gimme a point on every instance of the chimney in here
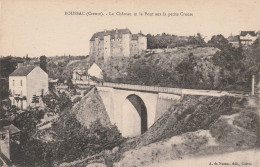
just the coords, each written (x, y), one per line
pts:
(19, 65)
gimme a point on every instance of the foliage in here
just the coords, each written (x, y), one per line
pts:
(73, 141)
(78, 140)
(57, 103)
(189, 78)
(8, 65)
(228, 69)
(237, 64)
(219, 41)
(142, 73)
(166, 40)
(4, 87)
(43, 63)
(61, 67)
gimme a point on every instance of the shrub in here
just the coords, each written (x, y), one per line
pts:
(249, 120)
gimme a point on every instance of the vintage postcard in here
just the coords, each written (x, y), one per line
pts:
(109, 83)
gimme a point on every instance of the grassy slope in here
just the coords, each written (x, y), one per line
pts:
(191, 114)
(197, 126)
(91, 108)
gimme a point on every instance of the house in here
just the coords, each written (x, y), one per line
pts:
(27, 84)
(118, 42)
(234, 40)
(247, 37)
(87, 77)
(9, 138)
(95, 71)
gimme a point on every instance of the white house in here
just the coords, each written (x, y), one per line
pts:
(25, 83)
(95, 71)
(248, 37)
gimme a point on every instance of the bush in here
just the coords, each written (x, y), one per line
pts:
(78, 140)
(249, 120)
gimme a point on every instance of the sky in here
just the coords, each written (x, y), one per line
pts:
(40, 27)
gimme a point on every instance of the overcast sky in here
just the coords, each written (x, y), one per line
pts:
(40, 27)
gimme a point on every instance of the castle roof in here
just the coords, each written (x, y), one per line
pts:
(22, 71)
(135, 36)
(112, 33)
(244, 33)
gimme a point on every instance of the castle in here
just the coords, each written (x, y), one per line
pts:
(118, 42)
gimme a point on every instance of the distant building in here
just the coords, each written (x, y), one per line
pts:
(247, 37)
(79, 74)
(53, 82)
(95, 71)
(118, 42)
(234, 40)
(87, 77)
(25, 83)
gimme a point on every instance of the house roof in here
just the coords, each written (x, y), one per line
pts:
(22, 71)
(112, 33)
(12, 129)
(244, 33)
(233, 38)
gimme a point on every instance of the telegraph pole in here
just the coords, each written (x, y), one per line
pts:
(253, 85)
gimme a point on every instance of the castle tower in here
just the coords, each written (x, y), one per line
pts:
(107, 52)
(126, 45)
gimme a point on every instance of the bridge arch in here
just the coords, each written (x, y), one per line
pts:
(135, 116)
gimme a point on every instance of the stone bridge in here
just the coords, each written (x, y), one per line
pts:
(134, 108)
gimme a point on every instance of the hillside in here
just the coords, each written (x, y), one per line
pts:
(91, 108)
(121, 69)
(191, 114)
(195, 127)
(198, 126)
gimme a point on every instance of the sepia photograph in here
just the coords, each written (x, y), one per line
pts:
(109, 83)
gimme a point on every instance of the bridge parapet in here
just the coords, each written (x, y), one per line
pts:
(169, 96)
(104, 89)
(144, 88)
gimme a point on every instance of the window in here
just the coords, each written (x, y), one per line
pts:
(13, 82)
(21, 82)
(21, 93)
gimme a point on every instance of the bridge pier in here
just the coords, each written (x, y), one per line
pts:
(164, 102)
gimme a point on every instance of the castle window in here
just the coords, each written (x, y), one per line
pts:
(13, 82)
(21, 82)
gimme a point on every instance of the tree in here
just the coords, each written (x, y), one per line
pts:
(220, 42)
(43, 63)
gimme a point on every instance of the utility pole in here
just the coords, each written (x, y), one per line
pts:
(253, 85)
